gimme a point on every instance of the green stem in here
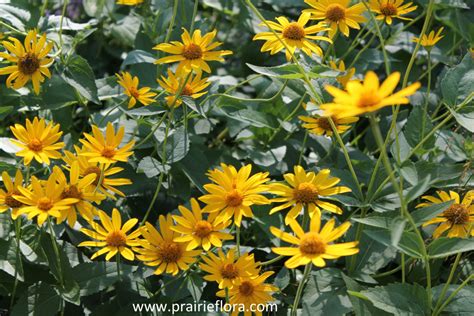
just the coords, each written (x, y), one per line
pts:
(117, 256)
(237, 239)
(17, 224)
(448, 300)
(299, 291)
(303, 147)
(195, 9)
(43, 8)
(448, 282)
(269, 262)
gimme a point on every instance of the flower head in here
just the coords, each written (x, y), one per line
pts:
(429, 41)
(197, 231)
(193, 88)
(337, 14)
(292, 36)
(30, 59)
(234, 192)
(160, 250)
(38, 140)
(7, 201)
(458, 219)
(369, 96)
(343, 79)
(315, 245)
(305, 189)
(129, 2)
(227, 269)
(193, 52)
(130, 84)
(322, 126)
(112, 236)
(387, 10)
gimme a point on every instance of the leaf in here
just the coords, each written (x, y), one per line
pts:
(360, 306)
(137, 57)
(9, 261)
(444, 247)
(282, 279)
(5, 110)
(465, 117)
(461, 304)
(372, 256)
(424, 214)
(14, 15)
(417, 127)
(408, 242)
(251, 117)
(7, 146)
(151, 167)
(177, 146)
(126, 29)
(287, 71)
(38, 300)
(195, 286)
(78, 74)
(457, 85)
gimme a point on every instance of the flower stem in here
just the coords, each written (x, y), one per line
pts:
(299, 291)
(118, 266)
(448, 300)
(448, 282)
(17, 224)
(269, 262)
(237, 239)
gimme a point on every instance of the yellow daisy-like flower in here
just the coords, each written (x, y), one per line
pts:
(315, 245)
(369, 96)
(38, 140)
(337, 14)
(234, 192)
(458, 219)
(192, 53)
(193, 88)
(43, 199)
(294, 35)
(106, 150)
(249, 292)
(80, 189)
(430, 40)
(30, 59)
(387, 10)
(7, 201)
(321, 126)
(305, 190)
(130, 84)
(129, 2)
(160, 250)
(227, 269)
(343, 79)
(112, 237)
(198, 231)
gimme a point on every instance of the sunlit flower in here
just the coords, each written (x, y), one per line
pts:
(227, 269)
(30, 59)
(7, 201)
(129, 2)
(197, 231)
(430, 40)
(458, 219)
(106, 150)
(305, 189)
(192, 53)
(112, 237)
(293, 35)
(193, 88)
(234, 192)
(38, 140)
(321, 126)
(343, 79)
(160, 250)
(315, 245)
(249, 292)
(130, 84)
(387, 10)
(337, 14)
(369, 96)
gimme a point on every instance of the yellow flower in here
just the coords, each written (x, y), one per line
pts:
(160, 250)
(198, 231)
(369, 96)
(129, 2)
(234, 192)
(30, 59)
(112, 237)
(306, 190)
(295, 36)
(321, 126)
(193, 88)
(249, 292)
(38, 141)
(43, 199)
(80, 189)
(130, 84)
(430, 40)
(7, 201)
(343, 79)
(315, 245)
(458, 218)
(387, 10)
(337, 14)
(104, 184)
(227, 269)
(106, 150)
(193, 52)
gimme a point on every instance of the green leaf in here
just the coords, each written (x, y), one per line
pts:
(5, 110)
(195, 286)
(465, 117)
(360, 304)
(138, 57)
(177, 145)
(79, 75)
(126, 29)
(39, 299)
(457, 85)
(9, 261)
(444, 247)
(417, 127)
(424, 214)
(408, 242)
(14, 15)
(287, 71)
(151, 167)
(461, 304)
(254, 118)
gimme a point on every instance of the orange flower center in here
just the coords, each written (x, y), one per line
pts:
(294, 31)
(95, 170)
(202, 229)
(116, 239)
(312, 244)
(108, 152)
(71, 192)
(10, 200)
(234, 198)
(35, 145)
(229, 271)
(170, 252)
(323, 122)
(457, 214)
(335, 13)
(368, 99)
(192, 51)
(45, 204)
(388, 9)
(28, 64)
(187, 90)
(306, 193)
(246, 288)
(134, 92)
